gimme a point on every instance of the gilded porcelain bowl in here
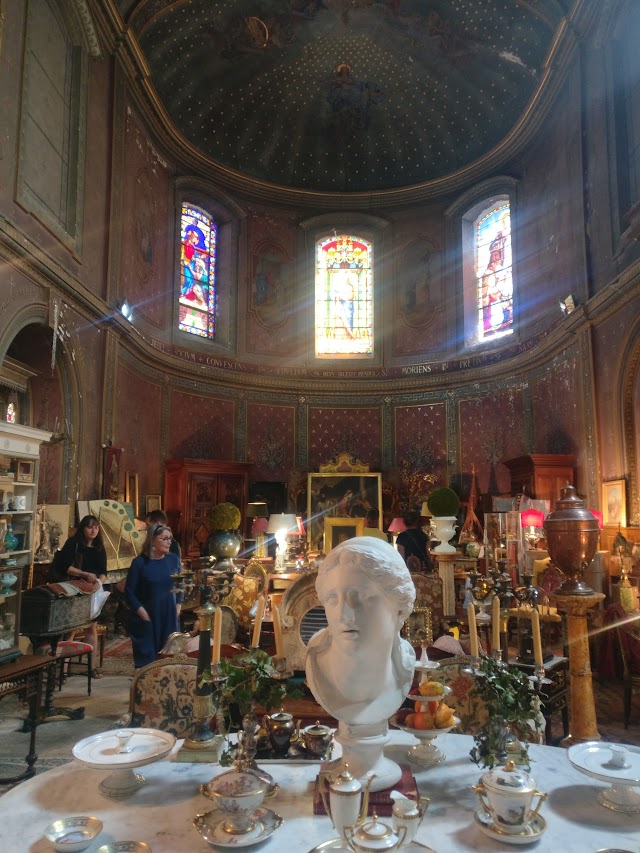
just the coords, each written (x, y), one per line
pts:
(73, 834)
(237, 793)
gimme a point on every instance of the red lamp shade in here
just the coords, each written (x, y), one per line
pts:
(397, 526)
(259, 526)
(532, 518)
(599, 516)
(301, 530)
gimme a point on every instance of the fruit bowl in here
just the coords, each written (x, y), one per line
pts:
(425, 752)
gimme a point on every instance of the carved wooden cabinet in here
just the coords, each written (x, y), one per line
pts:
(541, 475)
(192, 487)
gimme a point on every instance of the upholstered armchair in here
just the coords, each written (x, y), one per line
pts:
(161, 695)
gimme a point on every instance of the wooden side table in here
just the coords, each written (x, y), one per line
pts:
(27, 674)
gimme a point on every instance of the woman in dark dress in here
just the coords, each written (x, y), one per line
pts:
(413, 542)
(82, 557)
(149, 593)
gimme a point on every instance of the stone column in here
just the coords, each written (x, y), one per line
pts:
(583, 725)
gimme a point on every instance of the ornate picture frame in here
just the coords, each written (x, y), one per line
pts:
(152, 503)
(342, 496)
(131, 489)
(614, 503)
(337, 530)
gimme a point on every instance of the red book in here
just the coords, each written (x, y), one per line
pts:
(379, 801)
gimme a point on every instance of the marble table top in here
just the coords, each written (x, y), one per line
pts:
(161, 813)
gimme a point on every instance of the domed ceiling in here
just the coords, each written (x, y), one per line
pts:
(345, 95)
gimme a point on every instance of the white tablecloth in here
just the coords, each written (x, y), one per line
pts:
(161, 813)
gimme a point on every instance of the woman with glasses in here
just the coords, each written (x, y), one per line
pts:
(149, 593)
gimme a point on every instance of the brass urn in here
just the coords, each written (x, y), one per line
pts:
(572, 536)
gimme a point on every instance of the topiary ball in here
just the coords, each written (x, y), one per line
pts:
(443, 502)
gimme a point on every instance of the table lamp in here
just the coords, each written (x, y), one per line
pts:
(397, 526)
(531, 519)
(280, 525)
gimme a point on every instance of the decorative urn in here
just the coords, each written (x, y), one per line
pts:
(224, 542)
(572, 532)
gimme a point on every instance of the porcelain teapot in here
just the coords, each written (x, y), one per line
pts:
(348, 803)
(373, 835)
(408, 813)
(316, 739)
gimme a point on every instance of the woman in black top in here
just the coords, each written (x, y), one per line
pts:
(83, 557)
(413, 542)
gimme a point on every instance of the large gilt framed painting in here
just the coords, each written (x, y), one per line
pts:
(335, 495)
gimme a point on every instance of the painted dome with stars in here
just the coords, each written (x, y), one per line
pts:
(345, 95)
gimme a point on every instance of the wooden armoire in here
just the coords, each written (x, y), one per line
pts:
(192, 487)
(541, 475)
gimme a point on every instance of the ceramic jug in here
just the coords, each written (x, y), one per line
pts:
(408, 814)
(348, 803)
(373, 835)
(281, 730)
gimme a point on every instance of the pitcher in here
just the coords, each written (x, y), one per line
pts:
(347, 804)
(280, 728)
(408, 814)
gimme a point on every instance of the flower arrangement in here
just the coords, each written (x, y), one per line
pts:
(514, 712)
(443, 502)
(225, 516)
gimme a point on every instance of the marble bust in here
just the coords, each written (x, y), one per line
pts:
(359, 669)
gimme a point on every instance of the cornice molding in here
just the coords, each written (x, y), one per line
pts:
(88, 27)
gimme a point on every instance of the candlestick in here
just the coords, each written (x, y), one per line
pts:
(495, 623)
(537, 642)
(217, 634)
(277, 631)
(473, 631)
(255, 641)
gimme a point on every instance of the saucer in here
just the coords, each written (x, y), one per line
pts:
(211, 828)
(336, 845)
(532, 832)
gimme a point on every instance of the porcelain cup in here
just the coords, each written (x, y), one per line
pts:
(509, 793)
(618, 757)
(123, 736)
(237, 793)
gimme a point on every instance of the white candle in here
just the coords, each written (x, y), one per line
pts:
(277, 631)
(217, 634)
(495, 623)
(257, 626)
(537, 642)
(473, 631)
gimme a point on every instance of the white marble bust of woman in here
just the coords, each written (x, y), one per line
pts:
(358, 667)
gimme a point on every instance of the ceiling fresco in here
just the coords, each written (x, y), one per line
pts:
(344, 95)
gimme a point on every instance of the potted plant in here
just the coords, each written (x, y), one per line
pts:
(224, 542)
(513, 710)
(443, 504)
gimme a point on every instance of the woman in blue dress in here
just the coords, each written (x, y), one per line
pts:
(150, 594)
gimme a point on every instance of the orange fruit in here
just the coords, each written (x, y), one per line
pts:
(423, 720)
(409, 721)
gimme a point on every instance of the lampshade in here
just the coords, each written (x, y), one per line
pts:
(259, 525)
(599, 516)
(532, 518)
(282, 521)
(424, 512)
(301, 531)
(257, 509)
(397, 526)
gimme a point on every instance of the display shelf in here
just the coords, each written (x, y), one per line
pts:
(8, 554)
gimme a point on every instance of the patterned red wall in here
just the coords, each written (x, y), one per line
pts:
(200, 427)
(491, 430)
(137, 431)
(271, 441)
(145, 268)
(358, 431)
(557, 410)
(420, 430)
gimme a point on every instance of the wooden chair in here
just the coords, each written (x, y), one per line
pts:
(628, 638)
(161, 695)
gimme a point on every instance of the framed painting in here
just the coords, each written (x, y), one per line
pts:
(152, 503)
(131, 489)
(342, 496)
(337, 530)
(614, 503)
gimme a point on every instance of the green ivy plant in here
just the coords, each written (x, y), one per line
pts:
(249, 683)
(512, 706)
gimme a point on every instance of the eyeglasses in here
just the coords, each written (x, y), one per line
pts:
(165, 538)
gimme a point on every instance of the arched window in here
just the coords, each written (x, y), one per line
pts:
(344, 297)
(494, 281)
(197, 300)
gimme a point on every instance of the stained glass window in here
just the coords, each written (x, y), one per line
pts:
(344, 297)
(197, 301)
(493, 272)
